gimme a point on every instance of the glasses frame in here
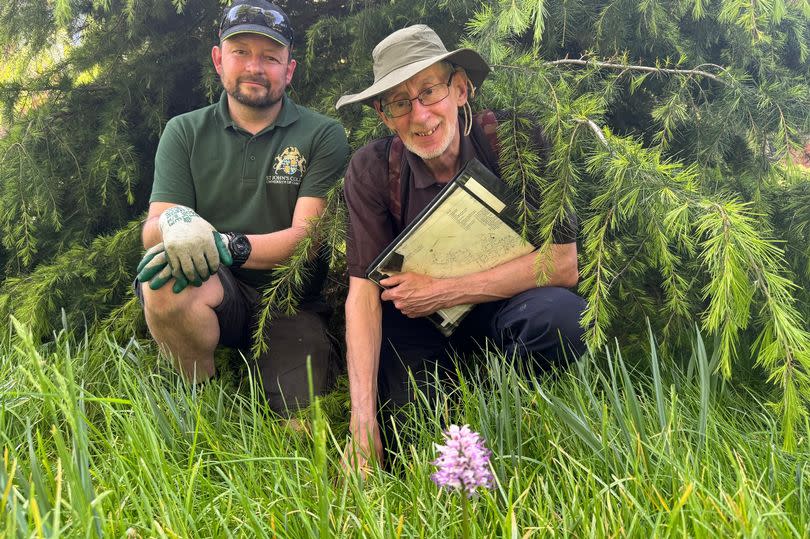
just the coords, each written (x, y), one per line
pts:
(385, 106)
(272, 19)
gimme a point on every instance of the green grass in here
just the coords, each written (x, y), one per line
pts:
(100, 439)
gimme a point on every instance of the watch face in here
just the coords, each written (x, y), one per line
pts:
(241, 245)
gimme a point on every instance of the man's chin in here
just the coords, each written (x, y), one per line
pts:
(429, 152)
(256, 102)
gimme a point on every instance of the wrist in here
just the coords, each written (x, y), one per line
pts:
(362, 418)
(453, 291)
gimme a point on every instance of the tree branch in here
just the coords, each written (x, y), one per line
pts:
(624, 67)
(597, 131)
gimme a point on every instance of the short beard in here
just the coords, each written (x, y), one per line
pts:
(448, 139)
(256, 102)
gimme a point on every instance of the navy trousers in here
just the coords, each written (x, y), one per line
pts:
(539, 326)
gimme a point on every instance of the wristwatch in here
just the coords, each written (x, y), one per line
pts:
(240, 248)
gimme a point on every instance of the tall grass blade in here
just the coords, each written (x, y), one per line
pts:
(631, 398)
(658, 386)
(705, 386)
(574, 422)
(615, 398)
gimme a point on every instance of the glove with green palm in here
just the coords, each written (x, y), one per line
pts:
(156, 268)
(189, 243)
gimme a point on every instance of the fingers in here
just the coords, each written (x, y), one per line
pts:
(220, 241)
(184, 267)
(201, 269)
(175, 270)
(393, 280)
(181, 283)
(152, 264)
(161, 278)
(355, 460)
(149, 256)
(165, 276)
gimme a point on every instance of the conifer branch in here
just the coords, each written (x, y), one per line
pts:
(623, 67)
(596, 131)
(282, 296)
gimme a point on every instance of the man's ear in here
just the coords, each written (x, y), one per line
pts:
(462, 85)
(290, 70)
(216, 57)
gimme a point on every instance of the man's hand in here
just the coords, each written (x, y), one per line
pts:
(156, 269)
(417, 295)
(190, 244)
(364, 447)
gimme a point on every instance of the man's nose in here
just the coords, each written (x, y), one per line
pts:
(254, 63)
(418, 110)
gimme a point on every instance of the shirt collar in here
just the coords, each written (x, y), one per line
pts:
(423, 177)
(286, 116)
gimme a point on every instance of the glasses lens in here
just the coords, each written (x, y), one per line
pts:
(270, 18)
(396, 109)
(433, 94)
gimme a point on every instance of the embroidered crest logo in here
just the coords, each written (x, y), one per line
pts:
(291, 162)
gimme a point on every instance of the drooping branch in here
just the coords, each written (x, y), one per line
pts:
(624, 67)
(596, 131)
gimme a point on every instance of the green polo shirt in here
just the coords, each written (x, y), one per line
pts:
(248, 183)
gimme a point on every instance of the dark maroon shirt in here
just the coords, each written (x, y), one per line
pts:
(371, 225)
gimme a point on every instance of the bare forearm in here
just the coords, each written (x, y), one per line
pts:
(269, 250)
(556, 267)
(150, 235)
(363, 338)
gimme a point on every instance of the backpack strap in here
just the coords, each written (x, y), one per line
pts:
(488, 123)
(485, 138)
(396, 154)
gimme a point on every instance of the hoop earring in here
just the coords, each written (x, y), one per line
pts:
(468, 109)
(467, 118)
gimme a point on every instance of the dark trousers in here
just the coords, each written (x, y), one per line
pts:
(539, 326)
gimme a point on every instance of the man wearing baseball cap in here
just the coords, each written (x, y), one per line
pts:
(421, 92)
(236, 186)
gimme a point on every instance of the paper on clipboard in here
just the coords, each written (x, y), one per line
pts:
(468, 227)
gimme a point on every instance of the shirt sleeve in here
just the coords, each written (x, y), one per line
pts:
(330, 152)
(173, 181)
(370, 227)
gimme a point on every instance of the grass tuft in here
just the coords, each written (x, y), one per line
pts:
(100, 439)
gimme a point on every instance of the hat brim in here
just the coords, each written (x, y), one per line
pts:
(472, 62)
(254, 29)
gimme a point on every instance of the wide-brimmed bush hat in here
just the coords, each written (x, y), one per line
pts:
(405, 53)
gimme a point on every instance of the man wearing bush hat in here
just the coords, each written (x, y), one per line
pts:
(421, 92)
(236, 186)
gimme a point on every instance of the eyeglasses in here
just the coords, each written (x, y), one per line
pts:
(429, 96)
(270, 18)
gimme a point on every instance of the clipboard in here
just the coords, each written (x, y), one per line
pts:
(471, 225)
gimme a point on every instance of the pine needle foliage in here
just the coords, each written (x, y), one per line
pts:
(671, 128)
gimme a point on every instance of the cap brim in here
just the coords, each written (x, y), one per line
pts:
(254, 29)
(472, 62)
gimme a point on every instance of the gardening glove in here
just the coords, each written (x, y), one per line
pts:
(155, 267)
(190, 244)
